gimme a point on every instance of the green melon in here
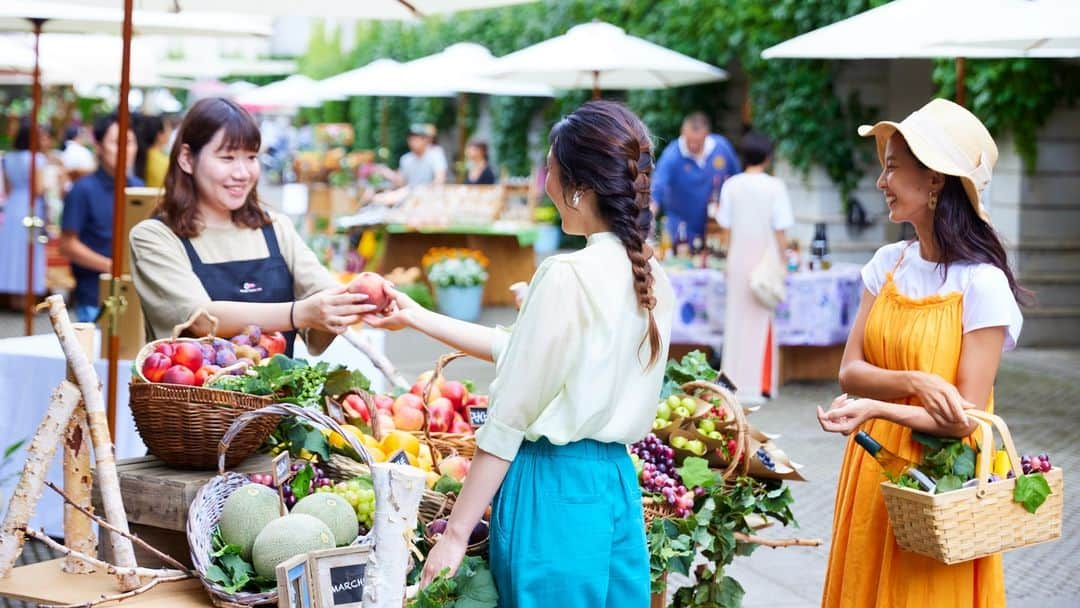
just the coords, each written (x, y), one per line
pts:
(245, 513)
(288, 537)
(334, 511)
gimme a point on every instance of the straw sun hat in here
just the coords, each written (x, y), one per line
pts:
(948, 139)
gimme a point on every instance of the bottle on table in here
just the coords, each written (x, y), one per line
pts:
(893, 464)
(819, 249)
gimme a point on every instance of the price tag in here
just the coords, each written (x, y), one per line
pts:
(399, 457)
(478, 415)
(282, 468)
(347, 584)
(337, 576)
(726, 382)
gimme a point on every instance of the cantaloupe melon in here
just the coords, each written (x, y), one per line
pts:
(334, 511)
(288, 537)
(245, 513)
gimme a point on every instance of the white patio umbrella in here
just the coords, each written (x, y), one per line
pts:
(463, 68)
(602, 56)
(196, 69)
(1023, 28)
(380, 78)
(296, 91)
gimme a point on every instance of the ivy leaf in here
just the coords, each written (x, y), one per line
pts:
(729, 593)
(447, 485)
(342, 380)
(948, 483)
(695, 472)
(302, 482)
(927, 440)
(1031, 491)
(215, 574)
(964, 466)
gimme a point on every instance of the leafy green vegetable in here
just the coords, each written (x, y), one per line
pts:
(671, 549)
(231, 571)
(342, 380)
(948, 483)
(471, 587)
(299, 435)
(693, 366)
(964, 465)
(696, 472)
(302, 481)
(447, 485)
(1031, 491)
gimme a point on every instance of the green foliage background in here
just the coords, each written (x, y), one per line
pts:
(794, 101)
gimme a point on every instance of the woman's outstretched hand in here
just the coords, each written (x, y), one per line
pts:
(331, 310)
(845, 415)
(400, 314)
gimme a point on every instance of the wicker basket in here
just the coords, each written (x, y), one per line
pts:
(653, 508)
(969, 523)
(433, 505)
(205, 510)
(445, 443)
(182, 425)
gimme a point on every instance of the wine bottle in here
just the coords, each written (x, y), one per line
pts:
(892, 463)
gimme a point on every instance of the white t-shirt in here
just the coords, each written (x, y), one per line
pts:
(987, 299)
(756, 189)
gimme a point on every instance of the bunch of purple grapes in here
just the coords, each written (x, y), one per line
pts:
(658, 474)
(320, 480)
(1040, 463)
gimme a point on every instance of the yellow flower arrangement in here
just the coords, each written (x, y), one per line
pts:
(455, 267)
(438, 254)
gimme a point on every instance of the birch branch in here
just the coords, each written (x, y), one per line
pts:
(165, 557)
(776, 543)
(378, 359)
(135, 572)
(105, 599)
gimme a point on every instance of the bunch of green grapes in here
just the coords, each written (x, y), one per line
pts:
(360, 493)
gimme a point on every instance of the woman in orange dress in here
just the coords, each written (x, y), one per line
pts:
(935, 316)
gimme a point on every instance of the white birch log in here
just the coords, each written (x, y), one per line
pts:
(32, 480)
(398, 489)
(78, 477)
(90, 385)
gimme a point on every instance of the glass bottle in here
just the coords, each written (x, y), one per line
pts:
(893, 464)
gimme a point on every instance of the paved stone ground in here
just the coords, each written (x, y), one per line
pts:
(1036, 389)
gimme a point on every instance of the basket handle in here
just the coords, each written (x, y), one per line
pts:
(285, 409)
(369, 403)
(244, 365)
(741, 458)
(986, 448)
(440, 365)
(201, 312)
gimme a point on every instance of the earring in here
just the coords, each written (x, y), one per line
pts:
(933, 201)
(574, 202)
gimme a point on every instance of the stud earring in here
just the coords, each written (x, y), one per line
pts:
(933, 201)
(574, 202)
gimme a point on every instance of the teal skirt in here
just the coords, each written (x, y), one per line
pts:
(567, 529)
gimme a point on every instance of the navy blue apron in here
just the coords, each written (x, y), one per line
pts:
(264, 280)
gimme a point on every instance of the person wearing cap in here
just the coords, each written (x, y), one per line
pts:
(935, 316)
(424, 163)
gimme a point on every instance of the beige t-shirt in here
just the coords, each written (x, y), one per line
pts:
(170, 291)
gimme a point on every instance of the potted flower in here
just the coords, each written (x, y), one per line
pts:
(458, 276)
(548, 228)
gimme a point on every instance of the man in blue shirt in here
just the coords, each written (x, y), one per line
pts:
(689, 175)
(86, 237)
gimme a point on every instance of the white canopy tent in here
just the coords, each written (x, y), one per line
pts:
(296, 91)
(197, 68)
(602, 56)
(389, 10)
(462, 67)
(380, 78)
(77, 18)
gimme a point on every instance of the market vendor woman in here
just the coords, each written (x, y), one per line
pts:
(212, 245)
(576, 380)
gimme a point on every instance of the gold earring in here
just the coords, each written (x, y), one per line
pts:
(933, 201)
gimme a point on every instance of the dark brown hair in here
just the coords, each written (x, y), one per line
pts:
(602, 146)
(179, 207)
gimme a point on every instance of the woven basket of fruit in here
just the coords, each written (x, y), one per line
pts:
(179, 420)
(233, 515)
(445, 416)
(971, 522)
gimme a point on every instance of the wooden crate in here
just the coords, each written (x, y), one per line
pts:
(156, 499)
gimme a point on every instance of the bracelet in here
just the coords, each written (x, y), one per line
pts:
(292, 307)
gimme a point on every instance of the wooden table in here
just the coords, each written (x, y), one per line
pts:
(46, 583)
(511, 254)
(156, 499)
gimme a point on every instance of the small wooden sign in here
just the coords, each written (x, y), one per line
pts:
(294, 583)
(399, 457)
(478, 415)
(337, 576)
(281, 472)
(723, 380)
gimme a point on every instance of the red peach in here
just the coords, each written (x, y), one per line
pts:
(179, 374)
(188, 354)
(374, 286)
(155, 365)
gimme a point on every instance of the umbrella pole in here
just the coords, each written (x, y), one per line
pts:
(462, 100)
(961, 64)
(32, 219)
(112, 305)
(596, 84)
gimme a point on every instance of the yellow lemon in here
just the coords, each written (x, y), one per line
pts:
(400, 440)
(1002, 464)
(377, 455)
(337, 442)
(423, 459)
(432, 479)
(369, 441)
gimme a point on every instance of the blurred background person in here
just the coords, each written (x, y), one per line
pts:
(151, 159)
(424, 163)
(13, 234)
(476, 158)
(755, 212)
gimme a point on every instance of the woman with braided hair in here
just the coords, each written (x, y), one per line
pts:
(576, 380)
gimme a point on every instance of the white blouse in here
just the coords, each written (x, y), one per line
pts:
(987, 299)
(571, 367)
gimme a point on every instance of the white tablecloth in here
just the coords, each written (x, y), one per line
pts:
(819, 309)
(31, 367)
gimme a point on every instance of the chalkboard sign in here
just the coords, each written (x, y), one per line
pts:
(399, 457)
(338, 576)
(478, 415)
(282, 469)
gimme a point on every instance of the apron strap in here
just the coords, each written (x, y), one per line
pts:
(271, 241)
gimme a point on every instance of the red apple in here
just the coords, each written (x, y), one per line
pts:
(455, 392)
(274, 343)
(407, 401)
(155, 365)
(409, 419)
(460, 426)
(202, 375)
(188, 354)
(355, 407)
(440, 415)
(456, 467)
(179, 374)
(383, 403)
(166, 348)
(374, 287)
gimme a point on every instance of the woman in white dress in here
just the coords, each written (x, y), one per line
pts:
(13, 234)
(755, 210)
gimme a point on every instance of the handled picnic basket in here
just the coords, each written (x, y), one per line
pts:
(970, 523)
(445, 444)
(205, 510)
(181, 424)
